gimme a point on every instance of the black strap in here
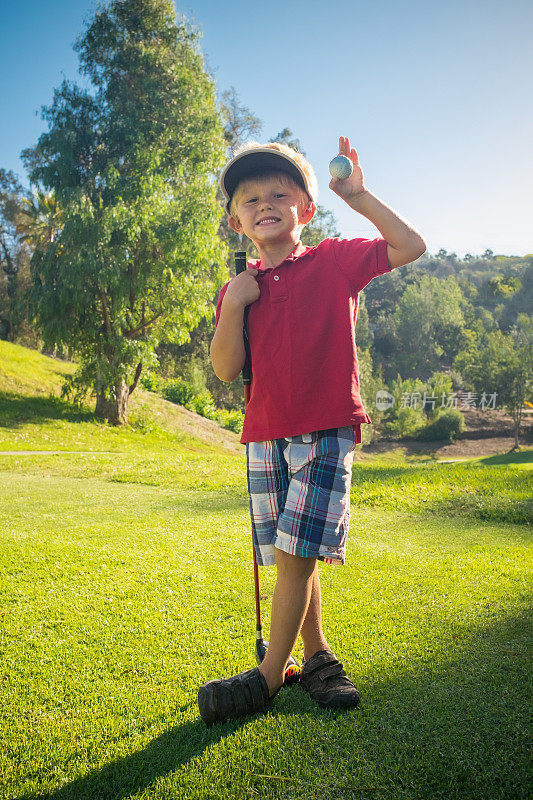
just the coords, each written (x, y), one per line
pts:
(240, 265)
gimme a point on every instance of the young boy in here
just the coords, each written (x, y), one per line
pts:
(303, 418)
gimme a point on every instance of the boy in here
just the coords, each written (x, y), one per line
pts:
(303, 418)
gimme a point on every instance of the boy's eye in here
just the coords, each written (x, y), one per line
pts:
(251, 200)
(281, 194)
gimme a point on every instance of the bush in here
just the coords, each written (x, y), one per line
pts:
(405, 422)
(232, 420)
(181, 392)
(151, 382)
(178, 391)
(142, 421)
(204, 405)
(445, 428)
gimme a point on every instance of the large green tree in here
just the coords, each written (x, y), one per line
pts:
(429, 322)
(131, 164)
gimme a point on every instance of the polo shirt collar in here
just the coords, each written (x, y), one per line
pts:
(296, 253)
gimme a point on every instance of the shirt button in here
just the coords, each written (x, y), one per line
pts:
(276, 277)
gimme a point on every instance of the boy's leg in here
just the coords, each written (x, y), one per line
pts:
(290, 602)
(311, 630)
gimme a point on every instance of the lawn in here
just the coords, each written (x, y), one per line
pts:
(127, 582)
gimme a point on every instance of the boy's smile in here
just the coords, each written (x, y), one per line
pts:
(268, 221)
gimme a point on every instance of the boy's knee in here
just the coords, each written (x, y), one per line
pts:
(296, 566)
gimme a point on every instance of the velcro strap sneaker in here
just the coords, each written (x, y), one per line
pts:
(230, 698)
(324, 679)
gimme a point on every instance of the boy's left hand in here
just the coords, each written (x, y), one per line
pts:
(354, 185)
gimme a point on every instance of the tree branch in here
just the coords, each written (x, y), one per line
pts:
(132, 333)
(136, 377)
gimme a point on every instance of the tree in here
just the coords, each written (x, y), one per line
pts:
(287, 137)
(131, 166)
(364, 335)
(429, 322)
(506, 360)
(14, 256)
(191, 361)
(39, 220)
(240, 124)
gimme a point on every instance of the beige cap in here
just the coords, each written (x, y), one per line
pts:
(256, 159)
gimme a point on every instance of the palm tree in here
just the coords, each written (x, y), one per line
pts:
(40, 220)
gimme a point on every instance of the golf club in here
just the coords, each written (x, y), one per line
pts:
(292, 670)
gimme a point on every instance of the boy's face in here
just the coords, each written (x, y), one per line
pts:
(271, 210)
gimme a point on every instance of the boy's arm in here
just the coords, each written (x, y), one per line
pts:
(227, 346)
(404, 243)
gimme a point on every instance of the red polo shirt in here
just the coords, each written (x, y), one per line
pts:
(302, 339)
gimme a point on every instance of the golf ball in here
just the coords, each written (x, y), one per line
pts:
(340, 167)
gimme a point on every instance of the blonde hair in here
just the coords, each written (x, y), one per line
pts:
(302, 162)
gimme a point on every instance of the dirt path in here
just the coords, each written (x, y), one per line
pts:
(465, 448)
(487, 434)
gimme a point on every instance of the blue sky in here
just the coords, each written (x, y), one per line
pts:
(436, 96)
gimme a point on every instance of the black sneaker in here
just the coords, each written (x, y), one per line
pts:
(324, 679)
(230, 698)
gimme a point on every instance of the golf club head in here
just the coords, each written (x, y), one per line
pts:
(260, 649)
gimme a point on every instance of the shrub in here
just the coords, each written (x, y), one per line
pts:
(151, 382)
(181, 392)
(204, 405)
(178, 391)
(405, 423)
(232, 420)
(445, 428)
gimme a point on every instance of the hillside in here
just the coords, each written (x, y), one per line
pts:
(33, 417)
(30, 391)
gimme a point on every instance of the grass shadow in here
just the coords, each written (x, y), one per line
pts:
(376, 473)
(131, 774)
(17, 410)
(454, 730)
(520, 457)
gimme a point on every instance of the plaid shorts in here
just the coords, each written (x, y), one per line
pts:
(300, 494)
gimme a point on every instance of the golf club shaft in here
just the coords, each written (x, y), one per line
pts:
(292, 669)
(241, 266)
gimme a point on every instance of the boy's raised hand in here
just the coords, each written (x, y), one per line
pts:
(354, 185)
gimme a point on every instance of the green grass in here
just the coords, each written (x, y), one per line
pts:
(127, 582)
(482, 488)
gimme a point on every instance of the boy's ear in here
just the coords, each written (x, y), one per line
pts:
(308, 212)
(235, 224)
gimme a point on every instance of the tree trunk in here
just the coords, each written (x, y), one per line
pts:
(517, 421)
(114, 408)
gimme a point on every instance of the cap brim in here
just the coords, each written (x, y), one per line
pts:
(258, 160)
